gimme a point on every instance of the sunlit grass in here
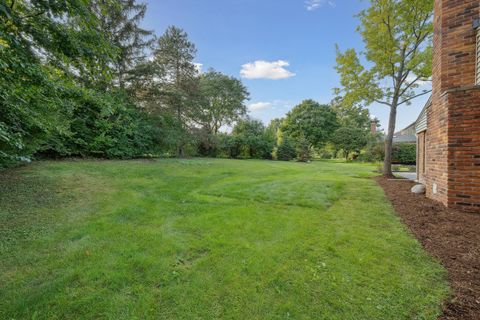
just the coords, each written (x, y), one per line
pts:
(207, 239)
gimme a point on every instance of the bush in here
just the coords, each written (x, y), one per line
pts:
(303, 149)
(286, 150)
(103, 125)
(404, 153)
(325, 154)
(374, 151)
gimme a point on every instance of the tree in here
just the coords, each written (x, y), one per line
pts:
(43, 45)
(398, 52)
(222, 100)
(120, 21)
(252, 140)
(303, 149)
(175, 80)
(349, 115)
(349, 139)
(286, 150)
(314, 121)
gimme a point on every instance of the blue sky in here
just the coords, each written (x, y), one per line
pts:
(284, 50)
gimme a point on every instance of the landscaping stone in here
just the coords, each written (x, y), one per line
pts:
(419, 189)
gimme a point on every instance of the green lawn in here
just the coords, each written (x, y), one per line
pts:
(208, 239)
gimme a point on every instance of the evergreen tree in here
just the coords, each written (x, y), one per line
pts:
(303, 149)
(286, 150)
(120, 21)
(175, 82)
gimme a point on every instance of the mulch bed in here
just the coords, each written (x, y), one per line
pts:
(451, 236)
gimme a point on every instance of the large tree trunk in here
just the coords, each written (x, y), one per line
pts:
(387, 163)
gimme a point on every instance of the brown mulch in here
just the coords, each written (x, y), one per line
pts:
(451, 236)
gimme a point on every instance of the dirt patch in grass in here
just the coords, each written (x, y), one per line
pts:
(451, 236)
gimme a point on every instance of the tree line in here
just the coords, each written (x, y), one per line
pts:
(83, 78)
(309, 130)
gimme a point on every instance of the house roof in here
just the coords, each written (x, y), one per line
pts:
(404, 138)
(405, 135)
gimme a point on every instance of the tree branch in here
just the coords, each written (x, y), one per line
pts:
(383, 102)
(33, 15)
(415, 96)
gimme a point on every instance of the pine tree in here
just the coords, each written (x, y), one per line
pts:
(176, 77)
(303, 149)
(120, 21)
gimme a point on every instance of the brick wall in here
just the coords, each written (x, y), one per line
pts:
(453, 136)
(464, 149)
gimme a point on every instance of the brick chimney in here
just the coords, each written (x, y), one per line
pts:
(453, 135)
(373, 126)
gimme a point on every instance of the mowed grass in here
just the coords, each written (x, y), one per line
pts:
(207, 239)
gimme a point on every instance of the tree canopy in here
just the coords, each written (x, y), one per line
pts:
(314, 121)
(398, 54)
(222, 101)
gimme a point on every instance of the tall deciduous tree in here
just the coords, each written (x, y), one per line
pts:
(315, 122)
(175, 76)
(222, 100)
(42, 45)
(349, 115)
(398, 52)
(349, 139)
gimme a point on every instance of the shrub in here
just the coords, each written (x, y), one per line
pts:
(303, 149)
(374, 151)
(286, 150)
(103, 125)
(404, 153)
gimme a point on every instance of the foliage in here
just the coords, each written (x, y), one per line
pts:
(102, 125)
(42, 46)
(57, 59)
(174, 85)
(398, 50)
(404, 153)
(314, 121)
(286, 150)
(349, 115)
(222, 101)
(374, 151)
(120, 20)
(250, 139)
(349, 139)
(303, 149)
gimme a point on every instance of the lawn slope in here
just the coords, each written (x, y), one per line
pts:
(207, 239)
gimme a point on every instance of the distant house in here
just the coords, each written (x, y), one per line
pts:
(406, 135)
(421, 131)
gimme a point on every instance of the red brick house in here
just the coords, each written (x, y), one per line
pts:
(448, 129)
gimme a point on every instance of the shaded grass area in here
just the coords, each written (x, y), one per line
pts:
(207, 239)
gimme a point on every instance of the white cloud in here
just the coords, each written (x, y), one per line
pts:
(420, 82)
(275, 104)
(261, 69)
(199, 67)
(313, 5)
(260, 106)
